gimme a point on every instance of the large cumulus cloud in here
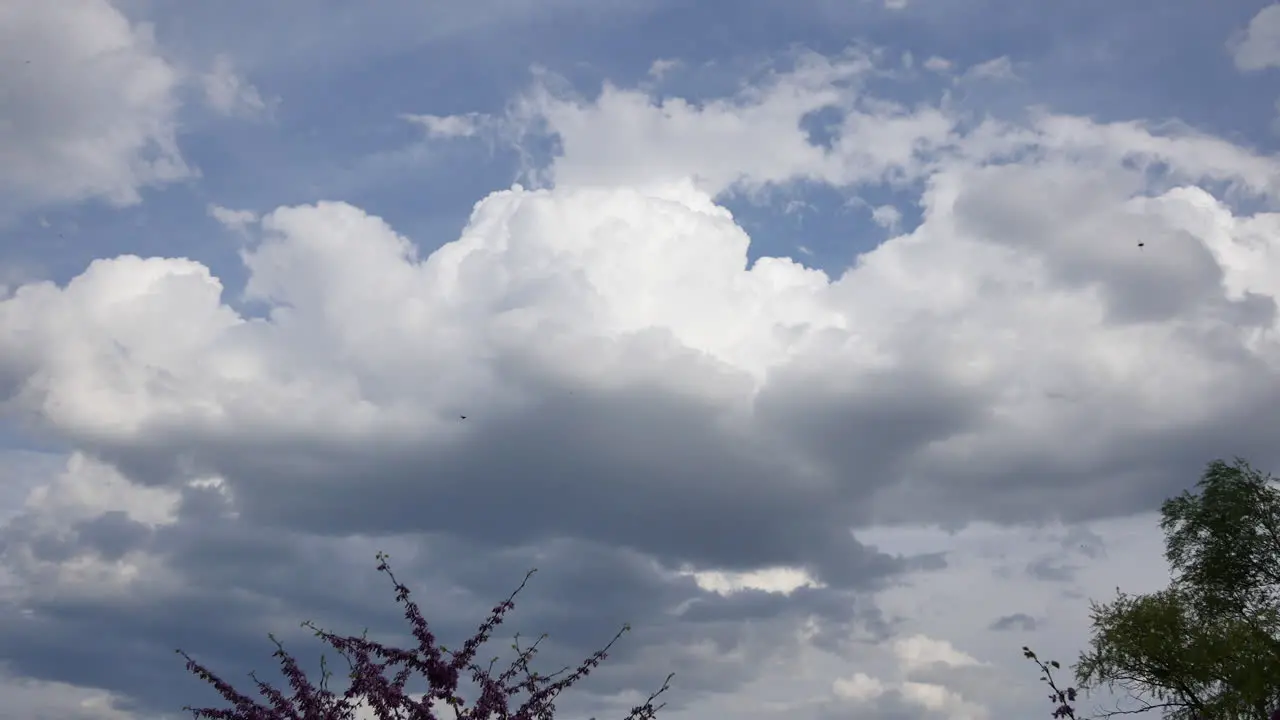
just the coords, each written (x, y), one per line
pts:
(594, 376)
(89, 106)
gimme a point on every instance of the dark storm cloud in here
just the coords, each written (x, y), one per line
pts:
(1047, 568)
(637, 469)
(232, 585)
(1132, 472)
(82, 642)
(607, 494)
(109, 536)
(239, 581)
(1080, 539)
(112, 534)
(1017, 621)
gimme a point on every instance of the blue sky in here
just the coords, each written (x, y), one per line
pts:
(811, 338)
(349, 75)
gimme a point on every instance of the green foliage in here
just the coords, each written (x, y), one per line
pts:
(1225, 540)
(1061, 698)
(1205, 647)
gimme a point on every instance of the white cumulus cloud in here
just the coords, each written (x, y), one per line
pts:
(1258, 47)
(87, 106)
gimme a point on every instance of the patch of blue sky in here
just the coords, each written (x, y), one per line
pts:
(338, 134)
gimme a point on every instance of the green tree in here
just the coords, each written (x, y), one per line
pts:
(1208, 646)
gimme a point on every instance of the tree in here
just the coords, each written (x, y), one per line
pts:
(1061, 698)
(441, 668)
(1208, 646)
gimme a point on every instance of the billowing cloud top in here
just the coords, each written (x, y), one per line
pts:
(600, 375)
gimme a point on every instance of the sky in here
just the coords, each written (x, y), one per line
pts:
(841, 349)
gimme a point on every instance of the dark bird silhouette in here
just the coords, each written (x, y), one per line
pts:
(464, 417)
(1141, 244)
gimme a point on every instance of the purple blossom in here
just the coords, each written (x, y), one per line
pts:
(442, 669)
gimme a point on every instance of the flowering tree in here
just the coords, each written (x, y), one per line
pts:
(442, 668)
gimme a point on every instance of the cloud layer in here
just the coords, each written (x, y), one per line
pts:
(739, 456)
